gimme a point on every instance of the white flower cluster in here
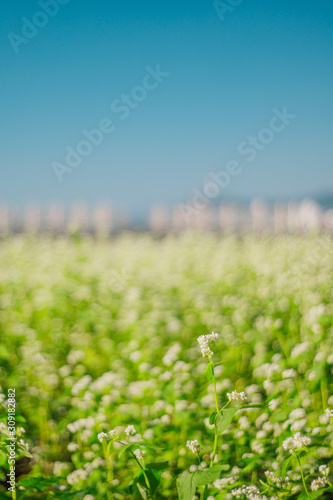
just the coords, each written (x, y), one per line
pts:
(297, 414)
(130, 430)
(140, 454)
(329, 413)
(23, 444)
(172, 355)
(254, 496)
(102, 436)
(295, 442)
(204, 341)
(300, 349)
(82, 474)
(107, 380)
(279, 482)
(194, 446)
(316, 484)
(107, 436)
(82, 423)
(237, 396)
(289, 373)
(76, 476)
(80, 385)
(245, 491)
(324, 470)
(201, 466)
(266, 371)
(72, 447)
(220, 484)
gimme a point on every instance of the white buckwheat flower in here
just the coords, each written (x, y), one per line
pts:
(76, 476)
(101, 436)
(225, 481)
(277, 481)
(237, 396)
(245, 491)
(329, 413)
(324, 470)
(140, 454)
(194, 446)
(72, 447)
(295, 442)
(289, 373)
(130, 430)
(204, 341)
(297, 413)
(112, 434)
(316, 484)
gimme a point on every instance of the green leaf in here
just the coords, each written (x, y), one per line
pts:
(39, 483)
(19, 418)
(24, 452)
(154, 481)
(253, 405)
(135, 480)
(186, 486)
(286, 465)
(311, 496)
(212, 417)
(209, 475)
(150, 446)
(209, 372)
(157, 466)
(223, 419)
(125, 448)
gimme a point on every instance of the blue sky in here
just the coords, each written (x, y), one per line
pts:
(225, 78)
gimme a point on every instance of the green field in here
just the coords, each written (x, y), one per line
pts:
(100, 335)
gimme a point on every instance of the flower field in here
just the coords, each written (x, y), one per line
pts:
(192, 366)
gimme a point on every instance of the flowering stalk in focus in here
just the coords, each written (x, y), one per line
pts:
(220, 418)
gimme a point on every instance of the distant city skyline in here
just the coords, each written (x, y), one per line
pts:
(139, 103)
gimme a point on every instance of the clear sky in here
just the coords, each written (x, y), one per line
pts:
(225, 77)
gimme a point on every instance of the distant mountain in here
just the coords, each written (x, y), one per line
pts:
(324, 200)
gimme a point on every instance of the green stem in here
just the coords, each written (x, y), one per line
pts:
(144, 473)
(216, 436)
(214, 450)
(300, 466)
(214, 382)
(110, 471)
(106, 452)
(217, 409)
